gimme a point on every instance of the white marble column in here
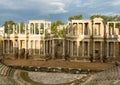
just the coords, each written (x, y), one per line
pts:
(13, 46)
(83, 48)
(107, 49)
(78, 44)
(34, 46)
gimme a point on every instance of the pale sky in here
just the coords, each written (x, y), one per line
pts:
(24, 10)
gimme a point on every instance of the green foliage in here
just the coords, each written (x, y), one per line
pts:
(76, 17)
(106, 18)
(54, 28)
(8, 26)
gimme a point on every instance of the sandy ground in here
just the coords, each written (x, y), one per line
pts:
(60, 63)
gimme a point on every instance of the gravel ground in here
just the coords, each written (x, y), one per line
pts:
(54, 78)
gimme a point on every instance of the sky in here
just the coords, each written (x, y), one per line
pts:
(25, 10)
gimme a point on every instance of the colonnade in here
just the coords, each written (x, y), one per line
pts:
(81, 28)
(84, 48)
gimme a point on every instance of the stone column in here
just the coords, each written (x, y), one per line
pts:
(44, 47)
(107, 49)
(29, 46)
(101, 49)
(83, 28)
(3, 46)
(34, 46)
(88, 48)
(8, 46)
(93, 48)
(25, 48)
(53, 48)
(72, 48)
(83, 48)
(19, 48)
(63, 47)
(68, 47)
(34, 28)
(114, 50)
(78, 44)
(114, 28)
(39, 47)
(13, 46)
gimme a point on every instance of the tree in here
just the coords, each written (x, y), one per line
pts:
(54, 26)
(76, 17)
(9, 23)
